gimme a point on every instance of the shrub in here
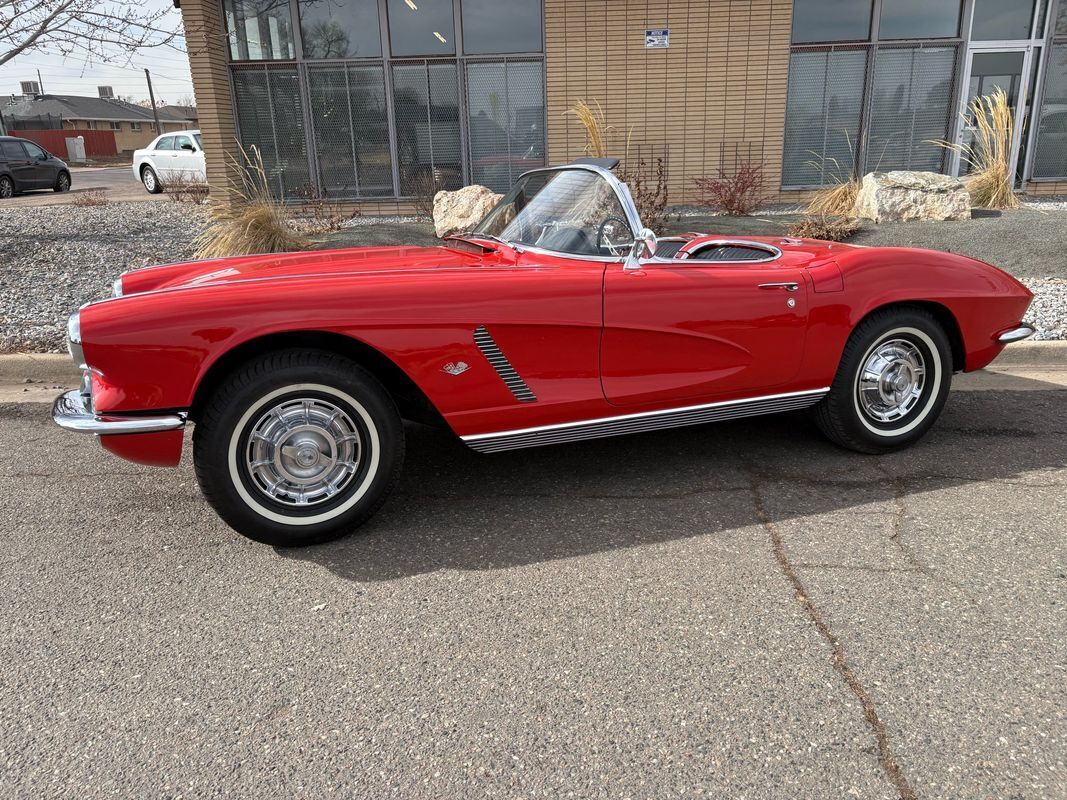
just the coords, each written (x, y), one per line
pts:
(320, 214)
(738, 193)
(94, 197)
(253, 221)
(185, 188)
(827, 227)
(648, 187)
(991, 182)
(423, 187)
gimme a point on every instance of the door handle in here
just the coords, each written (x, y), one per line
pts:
(789, 286)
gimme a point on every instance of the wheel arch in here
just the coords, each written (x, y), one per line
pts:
(409, 398)
(944, 316)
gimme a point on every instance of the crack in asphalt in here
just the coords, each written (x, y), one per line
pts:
(859, 568)
(886, 758)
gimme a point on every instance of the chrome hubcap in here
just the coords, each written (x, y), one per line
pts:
(303, 451)
(891, 380)
(149, 180)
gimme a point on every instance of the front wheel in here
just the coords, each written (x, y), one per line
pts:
(62, 182)
(892, 382)
(298, 447)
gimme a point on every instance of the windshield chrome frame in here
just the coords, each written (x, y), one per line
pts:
(622, 192)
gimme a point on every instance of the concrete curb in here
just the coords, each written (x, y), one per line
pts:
(57, 367)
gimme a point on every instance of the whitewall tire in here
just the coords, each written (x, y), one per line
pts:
(298, 447)
(891, 384)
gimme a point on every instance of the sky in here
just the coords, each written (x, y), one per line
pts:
(169, 67)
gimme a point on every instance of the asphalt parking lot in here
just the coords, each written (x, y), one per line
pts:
(734, 610)
(117, 184)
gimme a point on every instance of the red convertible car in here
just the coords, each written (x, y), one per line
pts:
(559, 318)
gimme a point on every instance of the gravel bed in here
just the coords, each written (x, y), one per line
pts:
(55, 258)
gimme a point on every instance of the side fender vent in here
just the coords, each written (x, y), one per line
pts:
(503, 367)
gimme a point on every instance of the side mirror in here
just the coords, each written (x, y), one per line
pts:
(644, 247)
(188, 147)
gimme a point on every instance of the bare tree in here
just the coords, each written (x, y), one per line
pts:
(100, 31)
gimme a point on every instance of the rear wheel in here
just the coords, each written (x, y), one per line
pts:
(7, 186)
(298, 447)
(892, 382)
(62, 182)
(150, 180)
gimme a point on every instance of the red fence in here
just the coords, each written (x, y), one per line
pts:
(97, 143)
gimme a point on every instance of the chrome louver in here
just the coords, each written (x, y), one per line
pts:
(499, 362)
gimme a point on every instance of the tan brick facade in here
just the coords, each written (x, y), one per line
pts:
(715, 96)
(205, 38)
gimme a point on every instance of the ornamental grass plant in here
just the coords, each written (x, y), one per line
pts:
(991, 180)
(250, 219)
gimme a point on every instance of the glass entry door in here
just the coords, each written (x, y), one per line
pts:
(989, 70)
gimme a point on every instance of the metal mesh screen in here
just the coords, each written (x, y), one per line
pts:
(349, 117)
(426, 103)
(1050, 153)
(911, 104)
(506, 113)
(824, 107)
(271, 118)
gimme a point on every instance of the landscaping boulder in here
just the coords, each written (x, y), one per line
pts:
(903, 195)
(460, 211)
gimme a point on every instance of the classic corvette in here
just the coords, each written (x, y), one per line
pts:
(559, 318)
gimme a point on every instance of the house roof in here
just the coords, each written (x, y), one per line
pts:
(70, 106)
(179, 113)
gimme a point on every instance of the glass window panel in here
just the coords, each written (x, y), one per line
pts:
(506, 108)
(831, 20)
(1002, 19)
(340, 28)
(421, 27)
(910, 107)
(919, 19)
(270, 117)
(502, 26)
(1060, 27)
(1050, 154)
(351, 131)
(426, 103)
(825, 98)
(259, 29)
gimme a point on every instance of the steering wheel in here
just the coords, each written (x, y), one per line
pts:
(602, 240)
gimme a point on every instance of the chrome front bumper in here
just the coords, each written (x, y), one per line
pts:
(1024, 331)
(71, 412)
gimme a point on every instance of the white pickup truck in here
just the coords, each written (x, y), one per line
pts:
(170, 158)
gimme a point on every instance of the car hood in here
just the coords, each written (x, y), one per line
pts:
(354, 261)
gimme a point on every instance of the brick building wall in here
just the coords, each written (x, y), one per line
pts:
(205, 40)
(717, 95)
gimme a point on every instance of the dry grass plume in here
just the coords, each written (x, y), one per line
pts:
(253, 220)
(991, 182)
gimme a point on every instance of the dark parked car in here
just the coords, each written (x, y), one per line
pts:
(25, 165)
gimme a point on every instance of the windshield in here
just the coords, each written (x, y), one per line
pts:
(571, 211)
(199, 141)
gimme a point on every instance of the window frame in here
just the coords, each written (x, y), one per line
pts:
(386, 61)
(1051, 39)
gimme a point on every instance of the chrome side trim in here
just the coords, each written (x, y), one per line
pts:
(773, 253)
(499, 362)
(643, 421)
(71, 413)
(1024, 331)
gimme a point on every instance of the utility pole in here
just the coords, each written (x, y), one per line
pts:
(152, 98)
(40, 83)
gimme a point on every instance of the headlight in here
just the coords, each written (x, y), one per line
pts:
(116, 287)
(74, 338)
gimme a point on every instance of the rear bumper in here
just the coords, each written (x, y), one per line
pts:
(1023, 331)
(72, 412)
